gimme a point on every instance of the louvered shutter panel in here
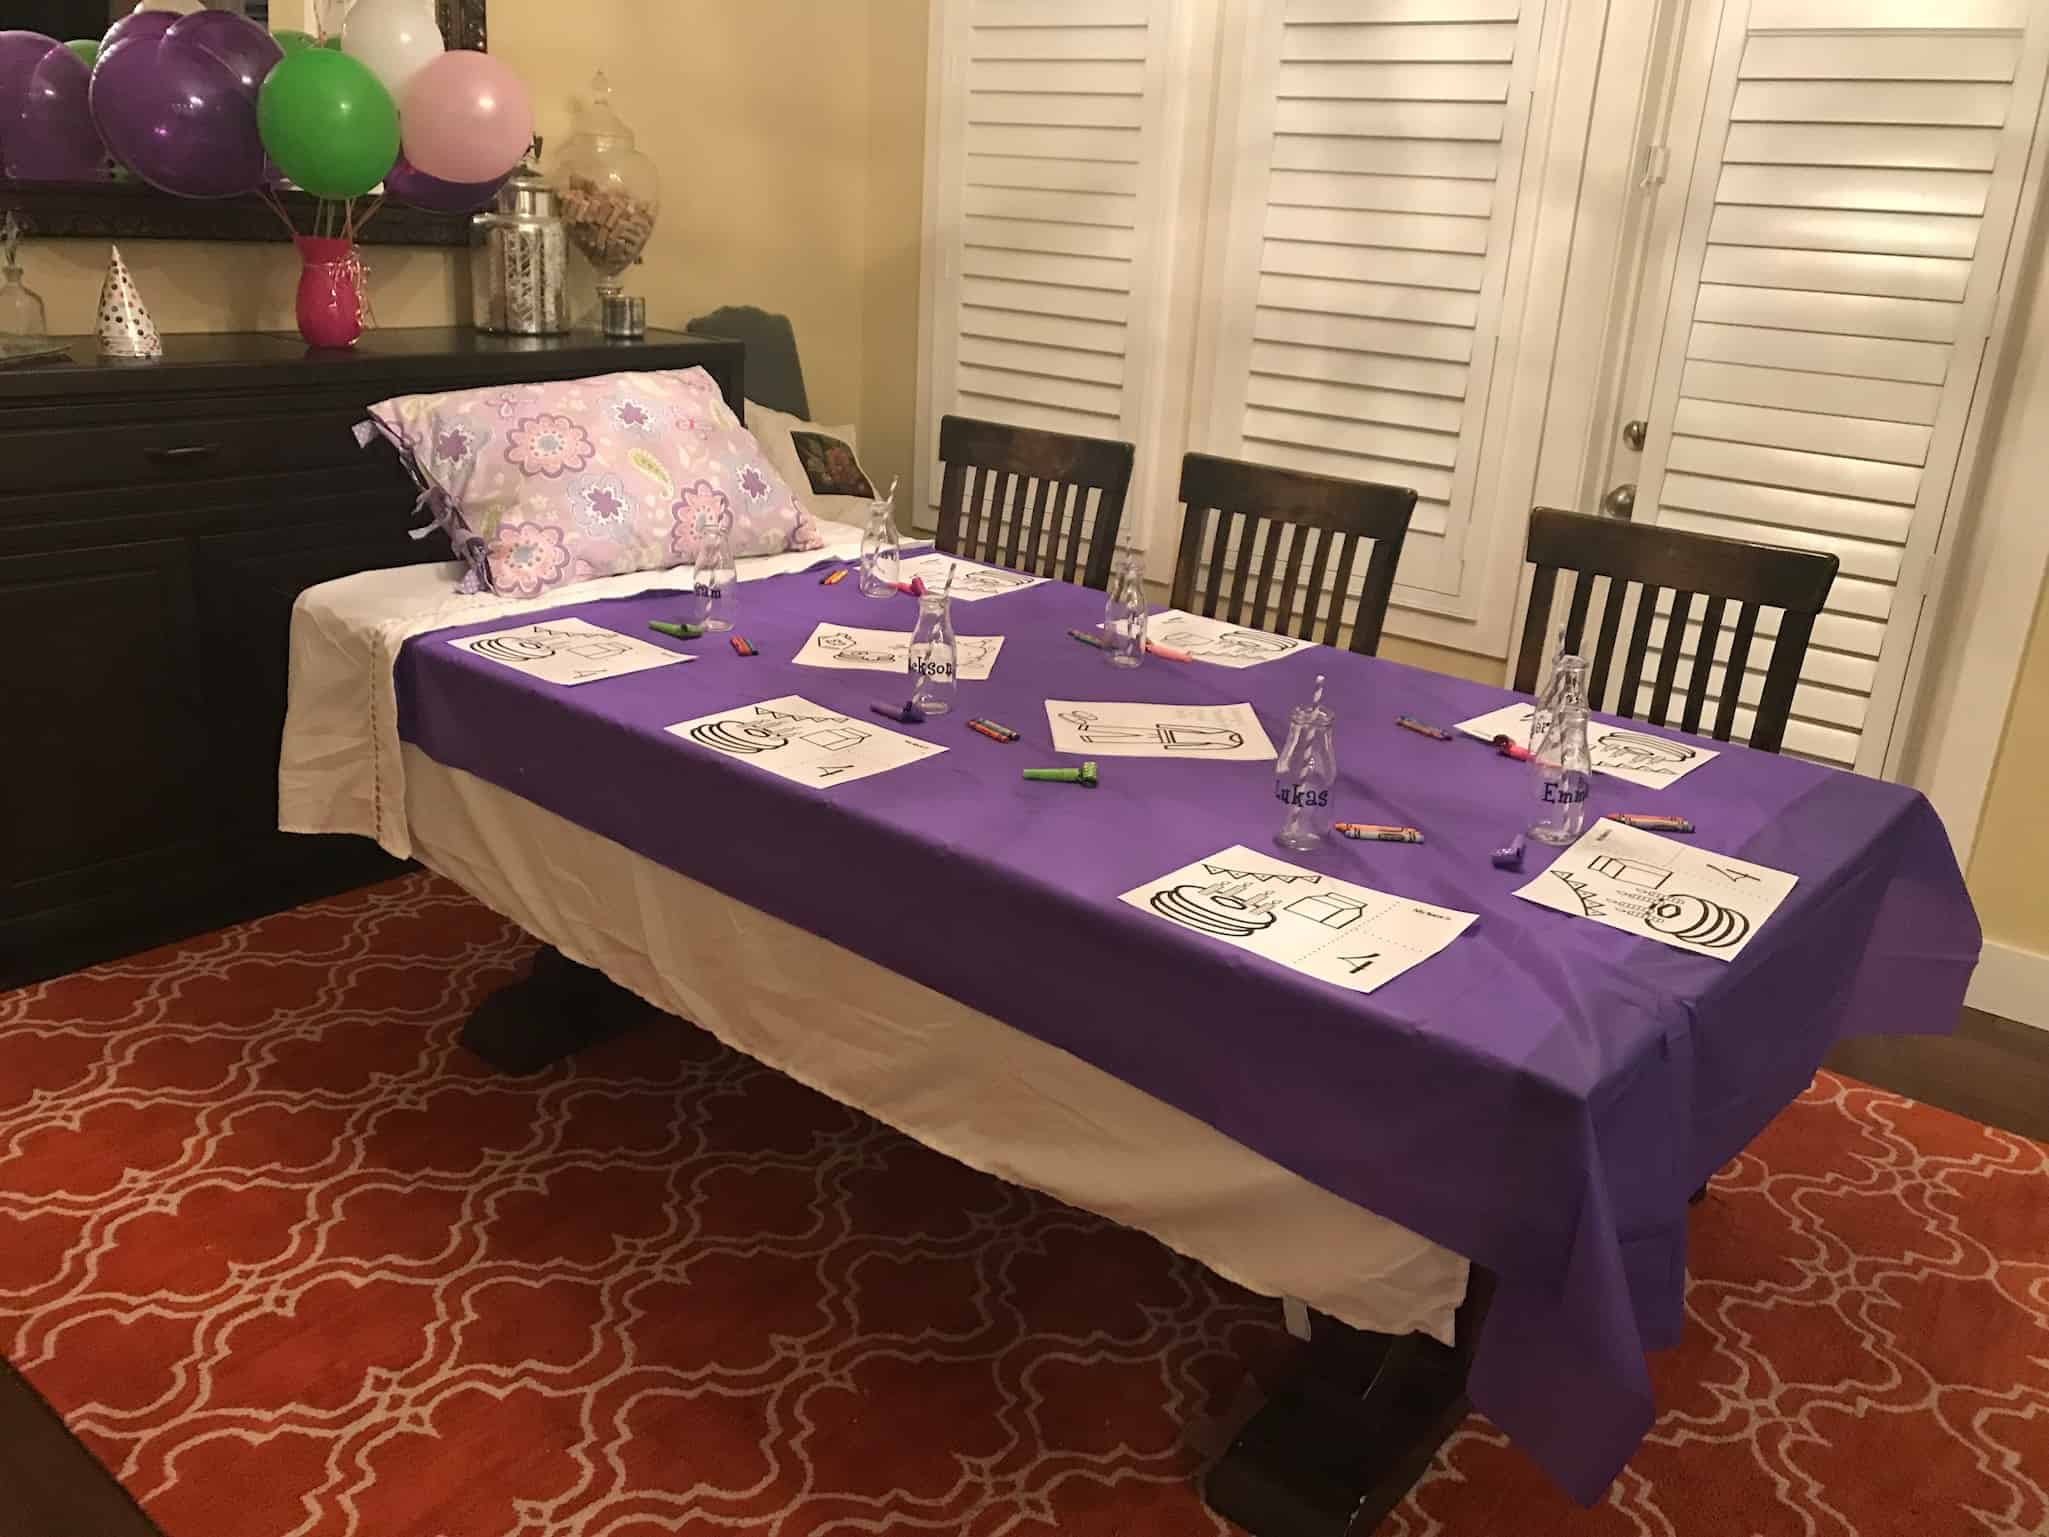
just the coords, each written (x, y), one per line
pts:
(1050, 156)
(1847, 222)
(1373, 182)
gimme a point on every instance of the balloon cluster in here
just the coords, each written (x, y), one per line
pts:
(210, 105)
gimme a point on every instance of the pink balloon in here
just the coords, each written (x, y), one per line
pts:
(466, 118)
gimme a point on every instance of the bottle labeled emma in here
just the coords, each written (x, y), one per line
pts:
(1561, 763)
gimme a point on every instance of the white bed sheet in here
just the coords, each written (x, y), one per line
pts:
(958, 1080)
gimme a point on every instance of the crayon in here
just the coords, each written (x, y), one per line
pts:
(1090, 640)
(676, 631)
(1651, 821)
(832, 577)
(908, 713)
(995, 731)
(1085, 775)
(1422, 728)
(743, 645)
(1168, 652)
(1373, 832)
(1506, 745)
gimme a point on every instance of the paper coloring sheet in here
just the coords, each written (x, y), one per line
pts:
(843, 647)
(1625, 753)
(1318, 925)
(568, 651)
(1219, 644)
(971, 583)
(1114, 729)
(799, 740)
(1659, 888)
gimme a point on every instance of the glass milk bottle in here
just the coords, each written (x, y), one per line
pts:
(935, 656)
(714, 576)
(881, 549)
(1124, 610)
(1304, 773)
(1561, 762)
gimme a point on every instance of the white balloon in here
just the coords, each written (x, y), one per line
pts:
(176, 7)
(393, 39)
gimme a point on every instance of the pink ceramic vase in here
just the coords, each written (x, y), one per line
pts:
(330, 307)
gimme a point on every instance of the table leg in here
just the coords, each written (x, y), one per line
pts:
(1342, 1440)
(558, 1008)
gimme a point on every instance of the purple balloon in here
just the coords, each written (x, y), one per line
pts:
(53, 139)
(138, 24)
(411, 185)
(20, 53)
(177, 116)
(235, 40)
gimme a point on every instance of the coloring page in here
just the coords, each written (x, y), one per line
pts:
(568, 651)
(845, 647)
(803, 741)
(1112, 729)
(971, 583)
(1219, 644)
(1637, 756)
(1318, 925)
(1662, 889)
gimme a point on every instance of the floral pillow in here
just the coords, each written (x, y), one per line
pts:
(539, 485)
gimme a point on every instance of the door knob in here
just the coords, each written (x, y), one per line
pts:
(1620, 502)
(1634, 433)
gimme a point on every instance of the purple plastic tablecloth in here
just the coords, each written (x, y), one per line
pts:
(1541, 1097)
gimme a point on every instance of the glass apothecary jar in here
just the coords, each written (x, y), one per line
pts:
(611, 193)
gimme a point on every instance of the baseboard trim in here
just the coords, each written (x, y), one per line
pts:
(2013, 982)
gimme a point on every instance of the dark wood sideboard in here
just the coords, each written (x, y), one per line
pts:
(157, 520)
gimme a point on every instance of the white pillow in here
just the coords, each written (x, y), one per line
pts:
(817, 463)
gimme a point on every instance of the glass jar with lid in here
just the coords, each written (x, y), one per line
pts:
(519, 259)
(611, 192)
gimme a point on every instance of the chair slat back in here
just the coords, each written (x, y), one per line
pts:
(1019, 497)
(1271, 515)
(1698, 570)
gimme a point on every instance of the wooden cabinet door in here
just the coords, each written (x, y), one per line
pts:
(248, 582)
(102, 776)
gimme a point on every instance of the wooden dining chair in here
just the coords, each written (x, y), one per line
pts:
(1274, 515)
(1018, 497)
(1689, 566)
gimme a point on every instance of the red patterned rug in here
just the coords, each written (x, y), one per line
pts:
(290, 1263)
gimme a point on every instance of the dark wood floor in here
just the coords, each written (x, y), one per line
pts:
(1991, 1070)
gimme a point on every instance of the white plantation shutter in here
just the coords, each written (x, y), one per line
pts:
(1371, 181)
(1847, 221)
(1049, 171)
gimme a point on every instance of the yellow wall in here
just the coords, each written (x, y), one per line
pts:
(2013, 838)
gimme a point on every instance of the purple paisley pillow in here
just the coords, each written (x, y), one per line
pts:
(539, 485)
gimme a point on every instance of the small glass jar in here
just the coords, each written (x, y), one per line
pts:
(519, 260)
(611, 192)
(23, 319)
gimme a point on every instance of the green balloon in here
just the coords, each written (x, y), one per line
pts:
(328, 123)
(334, 43)
(292, 41)
(87, 49)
